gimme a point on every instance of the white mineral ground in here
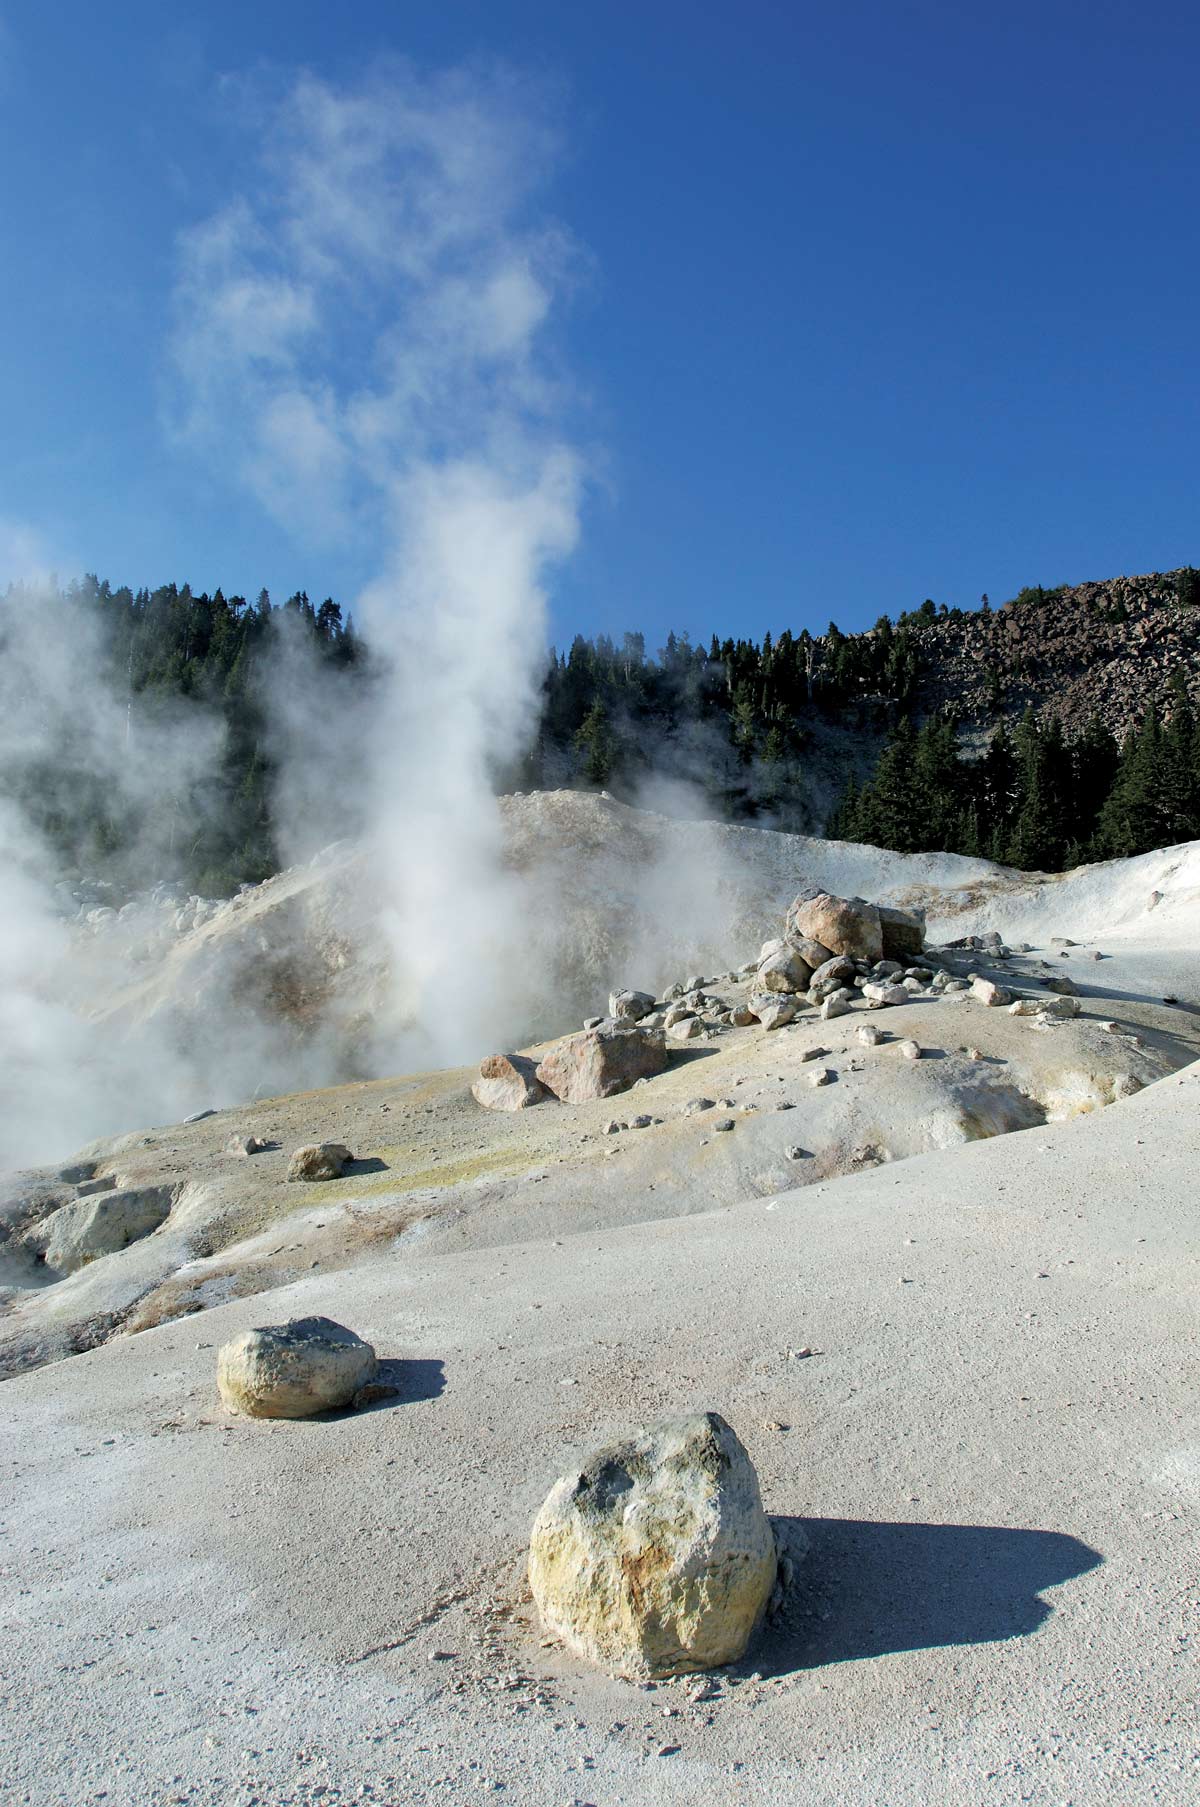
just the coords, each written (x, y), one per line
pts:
(993, 1445)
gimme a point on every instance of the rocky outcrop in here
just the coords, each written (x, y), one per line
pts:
(508, 1082)
(294, 1370)
(89, 1228)
(656, 1557)
(598, 1063)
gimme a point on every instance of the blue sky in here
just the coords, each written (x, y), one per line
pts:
(865, 304)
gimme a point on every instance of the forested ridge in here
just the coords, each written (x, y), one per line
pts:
(743, 722)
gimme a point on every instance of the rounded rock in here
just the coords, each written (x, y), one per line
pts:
(293, 1370)
(656, 1557)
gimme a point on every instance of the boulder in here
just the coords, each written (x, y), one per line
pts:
(656, 1557)
(783, 970)
(598, 1063)
(508, 1082)
(629, 1006)
(883, 992)
(813, 953)
(773, 1009)
(834, 1005)
(687, 1029)
(1065, 987)
(903, 932)
(986, 991)
(293, 1370)
(319, 1161)
(836, 971)
(845, 925)
(741, 1016)
(868, 1035)
(1059, 1009)
(88, 1228)
(909, 1050)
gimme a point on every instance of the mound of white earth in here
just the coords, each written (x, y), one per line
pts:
(301, 982)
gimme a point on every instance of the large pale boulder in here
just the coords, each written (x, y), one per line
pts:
(783, 970)
(508, 1082)
(319, 1161)
(986, 991)
(656, 1556)
(903, 932)
(293, 1370)
(597, 1063)
(845, 925)
(89, 1228)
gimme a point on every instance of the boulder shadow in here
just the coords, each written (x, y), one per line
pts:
(368, 1164)
(874, 1589)
(407, 1382)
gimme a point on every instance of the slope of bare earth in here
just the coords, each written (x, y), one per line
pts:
(993, 1446)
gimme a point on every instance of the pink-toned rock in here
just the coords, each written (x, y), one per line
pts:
(845, 925)
(601, 1062)
(508, 1082)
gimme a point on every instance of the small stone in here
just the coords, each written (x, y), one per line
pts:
(723, 1123)
(909, 1050)
(868, 1035)
(243, 1146)
(796, 1153)
(822, 1076)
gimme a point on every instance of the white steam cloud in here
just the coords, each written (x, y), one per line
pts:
(369, 322)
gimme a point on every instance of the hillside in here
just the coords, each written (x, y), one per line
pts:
(1106, 650)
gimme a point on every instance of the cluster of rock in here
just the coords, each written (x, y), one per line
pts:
(166, 910)
(834, 953)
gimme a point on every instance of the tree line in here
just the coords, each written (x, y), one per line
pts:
(740, 719)
(1033, 799)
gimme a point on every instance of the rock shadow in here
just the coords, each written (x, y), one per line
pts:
(368, 1164)
(407, 1382)
(867, 1589)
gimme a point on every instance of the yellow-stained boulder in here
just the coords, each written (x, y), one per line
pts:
(656, 1557)
(294, 1370)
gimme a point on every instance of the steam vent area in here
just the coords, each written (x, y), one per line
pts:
(773, 1380)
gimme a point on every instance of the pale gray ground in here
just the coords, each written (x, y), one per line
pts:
(994, 1445)
(995, 1448)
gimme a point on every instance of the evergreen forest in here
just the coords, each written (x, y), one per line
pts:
(738, 719)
